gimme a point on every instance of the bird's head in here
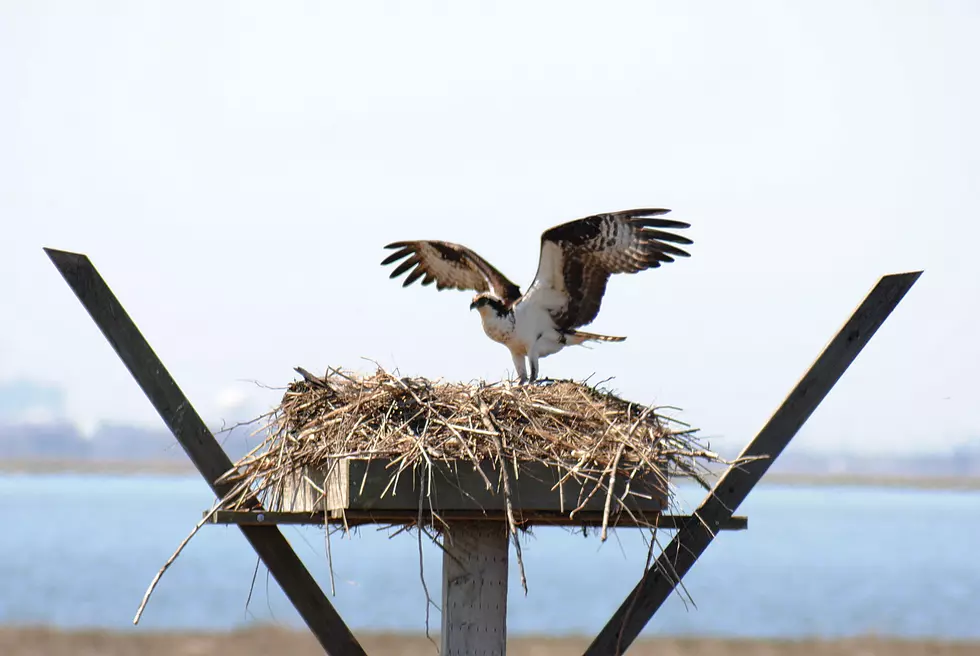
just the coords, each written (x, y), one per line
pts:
(489, 301)
(480, 300)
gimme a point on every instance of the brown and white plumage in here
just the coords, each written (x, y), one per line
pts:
(575, 262)
(578, 257)
(450, 266)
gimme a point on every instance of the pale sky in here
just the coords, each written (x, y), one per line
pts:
(234, 169)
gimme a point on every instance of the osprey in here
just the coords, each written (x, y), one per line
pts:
(574, 265)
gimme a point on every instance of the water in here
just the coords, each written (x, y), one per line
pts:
(79, 551)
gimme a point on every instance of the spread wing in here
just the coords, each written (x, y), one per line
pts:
(578, 257)
(449, 266)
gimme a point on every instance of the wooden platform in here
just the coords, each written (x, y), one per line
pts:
(524, 518)
(371, 486)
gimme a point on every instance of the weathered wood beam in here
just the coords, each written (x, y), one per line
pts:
(474, 589)
(365, 484)
(732, 488)
(538, 518)
(204, 451)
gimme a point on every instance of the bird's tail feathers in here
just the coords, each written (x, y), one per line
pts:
(576, 337)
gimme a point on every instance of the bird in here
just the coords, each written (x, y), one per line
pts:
(575, 262)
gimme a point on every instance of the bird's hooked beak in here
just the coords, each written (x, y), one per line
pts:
(473, 305)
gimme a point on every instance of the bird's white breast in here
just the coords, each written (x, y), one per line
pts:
(498, 328)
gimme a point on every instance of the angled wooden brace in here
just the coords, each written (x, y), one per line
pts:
(731, 489)
(200, 445)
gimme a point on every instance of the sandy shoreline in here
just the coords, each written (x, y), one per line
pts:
(16, 641)
(182, 467)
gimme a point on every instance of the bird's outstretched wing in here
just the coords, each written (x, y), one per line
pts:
(578, 257)
(449, 266)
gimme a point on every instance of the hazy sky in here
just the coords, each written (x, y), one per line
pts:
(234, 169)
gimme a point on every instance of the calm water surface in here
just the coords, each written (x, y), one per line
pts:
(79, 551)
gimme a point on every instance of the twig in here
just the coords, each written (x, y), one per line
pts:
(170, 561)
(512, 525)
(612, 487)
(425, 587)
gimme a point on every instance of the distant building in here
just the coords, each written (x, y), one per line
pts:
(31, 402)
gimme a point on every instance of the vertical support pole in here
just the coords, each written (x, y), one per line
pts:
(474, 589)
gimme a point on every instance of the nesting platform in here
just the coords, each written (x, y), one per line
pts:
(460, 485)
(469, 464)
(355, 492)
(387, 449)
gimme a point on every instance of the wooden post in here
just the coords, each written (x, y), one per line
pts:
(731, 489)
(204, 451)
(474, 589)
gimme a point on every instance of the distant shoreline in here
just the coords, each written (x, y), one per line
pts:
(182, 467)
(25, 641)
(94, 467)
(876, 480)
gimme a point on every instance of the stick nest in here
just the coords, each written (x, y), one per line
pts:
(582, 430)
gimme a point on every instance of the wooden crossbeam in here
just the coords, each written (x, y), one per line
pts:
(204, 451)
(732, 488)
(357, 518)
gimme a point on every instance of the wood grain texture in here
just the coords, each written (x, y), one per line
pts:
(200, 446)
(732, 488)
(474, 590)
(365, 485)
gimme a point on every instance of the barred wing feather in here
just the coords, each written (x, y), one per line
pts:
(450, 266)
(578, 257)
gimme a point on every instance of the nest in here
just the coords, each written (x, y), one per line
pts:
(585, 432)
